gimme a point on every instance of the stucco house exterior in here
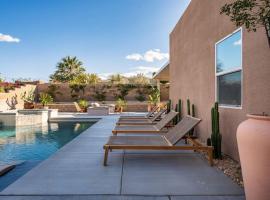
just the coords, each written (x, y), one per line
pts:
(213, 60)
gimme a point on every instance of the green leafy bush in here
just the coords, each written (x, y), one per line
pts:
(45, 99)
(154, 96)
(83, 104)
(120, 104)
(28, 97)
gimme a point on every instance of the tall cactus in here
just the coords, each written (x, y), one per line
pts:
(193, 110)
(216, 137)
(178, 108)
(188, 106)
(169, 104)
(12, 103)
(191, 132)
(175, 119)
(179, 117)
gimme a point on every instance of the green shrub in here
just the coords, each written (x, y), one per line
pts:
(28, 97)
(154, 96)
(83, 104)
(45, 99)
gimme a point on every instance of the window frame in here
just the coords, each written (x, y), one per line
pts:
(238, 69)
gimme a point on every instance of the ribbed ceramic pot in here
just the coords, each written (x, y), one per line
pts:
(253, 139)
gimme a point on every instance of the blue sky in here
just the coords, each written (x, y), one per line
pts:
(108, 36)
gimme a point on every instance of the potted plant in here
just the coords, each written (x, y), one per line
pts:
(153, 98)
(28, 98)
(253, 139)
(83, 105)
(45, 99)
(120, 105)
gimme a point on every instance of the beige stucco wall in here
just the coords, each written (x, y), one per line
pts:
(17, 91)
(192, 65)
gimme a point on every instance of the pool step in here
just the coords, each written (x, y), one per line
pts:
(75, 119)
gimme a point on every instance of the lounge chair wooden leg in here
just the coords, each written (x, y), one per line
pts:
(114, 132)
(106, 155)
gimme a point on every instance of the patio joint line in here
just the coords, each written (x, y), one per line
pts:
(122, 171)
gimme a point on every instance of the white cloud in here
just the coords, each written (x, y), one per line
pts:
(147, 71)
(149, 56)
(8, 38)
(134, 56)
(237, 43)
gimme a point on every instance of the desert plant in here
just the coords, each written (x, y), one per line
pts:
(28, 97)
(188, 106)
(193, 110)
(83, 104)
(190, 112)
(154, 96)
(45, 99)
(12, 103)
(169, 105)
(216, 137)
(120, 104)
(178, 108)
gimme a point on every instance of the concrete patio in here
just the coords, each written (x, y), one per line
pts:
(76, 172)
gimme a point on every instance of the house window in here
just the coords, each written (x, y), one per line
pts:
(229, 70)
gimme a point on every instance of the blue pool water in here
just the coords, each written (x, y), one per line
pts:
(29, 145)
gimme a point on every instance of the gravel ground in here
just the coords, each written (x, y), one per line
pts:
(231, 168)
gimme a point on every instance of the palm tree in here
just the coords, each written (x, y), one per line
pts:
(67, 70)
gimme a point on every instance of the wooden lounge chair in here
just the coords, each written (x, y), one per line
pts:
(160, 142)
(157, 128)
(147, 116)
(150, 121)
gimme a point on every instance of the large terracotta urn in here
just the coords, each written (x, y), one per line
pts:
(253, 138)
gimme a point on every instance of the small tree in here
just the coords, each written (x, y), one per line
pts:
(154, 96)
(67, 70)
(252, 14)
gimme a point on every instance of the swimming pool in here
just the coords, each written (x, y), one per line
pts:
(29, 145)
